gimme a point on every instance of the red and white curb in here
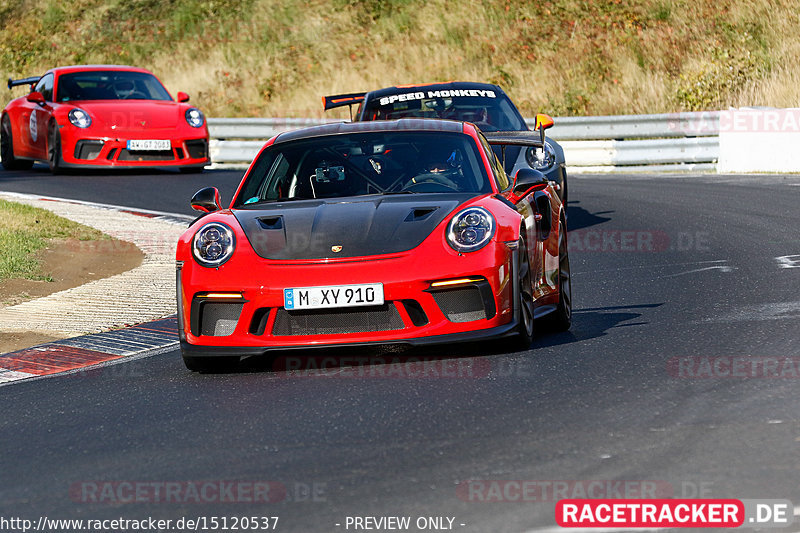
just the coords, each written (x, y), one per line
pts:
(89, 350)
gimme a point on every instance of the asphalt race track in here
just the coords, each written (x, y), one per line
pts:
(680, 375)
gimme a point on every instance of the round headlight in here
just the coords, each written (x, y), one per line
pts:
(541, 158)
(213, 244)
(194, 117)
(470, 230)
(80, 118)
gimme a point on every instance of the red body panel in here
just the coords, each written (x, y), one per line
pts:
(114, 122)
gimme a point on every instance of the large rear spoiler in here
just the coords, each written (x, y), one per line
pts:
(340, 100)
(23, 81)
(514, 138)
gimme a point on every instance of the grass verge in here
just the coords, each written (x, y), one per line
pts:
(24, 230)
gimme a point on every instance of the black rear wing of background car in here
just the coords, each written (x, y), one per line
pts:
(341, 100)
(23, 81)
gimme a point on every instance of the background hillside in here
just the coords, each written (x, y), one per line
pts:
(564, 57)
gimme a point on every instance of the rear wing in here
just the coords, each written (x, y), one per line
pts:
(514, 138)
(340, 100)
(23, 81)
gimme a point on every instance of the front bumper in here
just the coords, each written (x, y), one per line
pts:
(415, 313)
(113, 152)
(498, 332)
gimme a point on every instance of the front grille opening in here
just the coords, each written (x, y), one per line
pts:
(198, 149)
(155, 155)
(179, 153)
(259, 323)
(111, 154)
(219, 319)
(337, 321)
(415, 312)
(214, 318)
(464, 304)
(88, 149)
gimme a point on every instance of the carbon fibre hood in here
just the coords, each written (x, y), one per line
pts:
(361, 226)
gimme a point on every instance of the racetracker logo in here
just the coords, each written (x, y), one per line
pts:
(404, 367)
(519, 491)
(650, 513)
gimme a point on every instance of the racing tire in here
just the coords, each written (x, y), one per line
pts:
(564, 190)
(561, 319)
(210, 364)
(9, 161)
(54, 148)
(524, 299)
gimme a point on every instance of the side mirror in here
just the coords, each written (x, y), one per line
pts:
(542, 123)
(206, 200)
(183, 97)
(35, 97)
(528, 180)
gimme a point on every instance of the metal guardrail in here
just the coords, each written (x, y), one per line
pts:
(667, 142)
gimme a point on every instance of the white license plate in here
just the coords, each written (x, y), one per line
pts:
(333, 296)
(149, 145)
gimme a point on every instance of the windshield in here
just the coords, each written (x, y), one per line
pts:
(486, 109)
(110, 85)
(359, 164)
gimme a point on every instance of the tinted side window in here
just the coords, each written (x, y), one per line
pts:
(503, 181)
(45, 86)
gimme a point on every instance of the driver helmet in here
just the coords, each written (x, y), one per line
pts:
(448, 163)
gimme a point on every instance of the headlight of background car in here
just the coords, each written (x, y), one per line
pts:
(194, 117)
(540, 159)
(80, 118)
(213, 244)
(471, 229)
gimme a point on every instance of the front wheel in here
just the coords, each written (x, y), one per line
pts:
(9, 161)
(562, 318)
(54, 148)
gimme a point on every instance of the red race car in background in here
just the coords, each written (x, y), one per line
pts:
(404, 231)
(101, 116)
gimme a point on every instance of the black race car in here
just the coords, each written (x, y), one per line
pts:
(485, 105)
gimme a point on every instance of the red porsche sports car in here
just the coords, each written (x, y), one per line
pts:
(404, 231)
(101, 116)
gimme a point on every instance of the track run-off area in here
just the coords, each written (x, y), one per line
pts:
(679, 378)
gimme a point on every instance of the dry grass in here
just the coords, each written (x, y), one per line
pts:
(24, 230)
(566, 57)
